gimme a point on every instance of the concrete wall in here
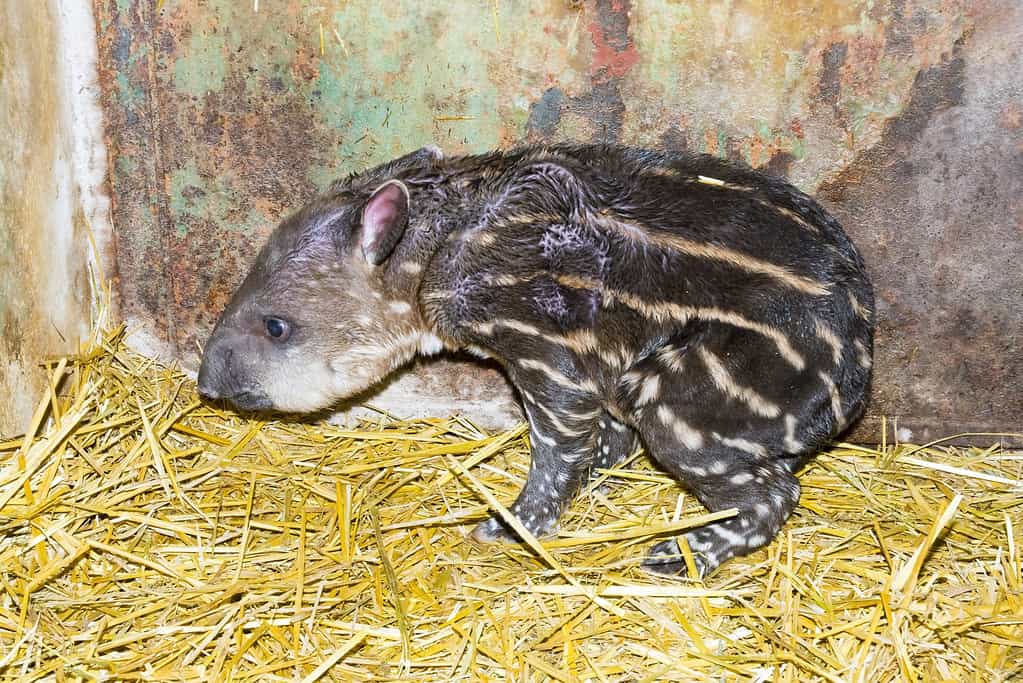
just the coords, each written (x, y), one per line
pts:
(903, 115)
(51, 173)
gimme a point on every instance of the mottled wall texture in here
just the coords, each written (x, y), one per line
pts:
(48, 194)
(904, 116)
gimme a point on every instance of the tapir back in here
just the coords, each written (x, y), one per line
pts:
(632, 248)
(720, 314)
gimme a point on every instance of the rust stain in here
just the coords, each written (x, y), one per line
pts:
(614, 52)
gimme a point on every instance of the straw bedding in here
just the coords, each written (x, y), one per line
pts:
(144, 535)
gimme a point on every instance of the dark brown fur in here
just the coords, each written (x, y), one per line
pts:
(719, 313)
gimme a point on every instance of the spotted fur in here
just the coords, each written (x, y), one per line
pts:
(716, 314)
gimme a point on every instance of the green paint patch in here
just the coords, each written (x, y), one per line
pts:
(182, 189)
(798, 148)
(253, 223)
(130, 94)
(322, 176)
(194, 199)
(125, 166)
(722, 142)
(202, 68)
(433, 73)
(187, 195)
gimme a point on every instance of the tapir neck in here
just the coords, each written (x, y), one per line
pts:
(418, 268)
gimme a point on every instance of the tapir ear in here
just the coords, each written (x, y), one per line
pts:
(384, 220)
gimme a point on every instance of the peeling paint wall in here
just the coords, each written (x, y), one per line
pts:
(903, 115)
(937, 202)
(51, 175)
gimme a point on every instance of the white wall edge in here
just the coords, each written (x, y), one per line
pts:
(83, 117)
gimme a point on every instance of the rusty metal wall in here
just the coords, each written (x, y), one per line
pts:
(904, 116)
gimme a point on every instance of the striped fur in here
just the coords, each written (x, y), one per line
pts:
(719, 314)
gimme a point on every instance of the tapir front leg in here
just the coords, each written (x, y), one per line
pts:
(563, 412)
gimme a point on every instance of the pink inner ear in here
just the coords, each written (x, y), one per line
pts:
(383, 221)
(382, 209)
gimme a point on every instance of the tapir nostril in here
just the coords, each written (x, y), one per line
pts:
(207, 392)
(206, 387)
(208, 382)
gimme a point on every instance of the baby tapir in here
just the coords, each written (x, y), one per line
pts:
(720, 314)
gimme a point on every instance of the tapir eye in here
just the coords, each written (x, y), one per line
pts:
(276, 328)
